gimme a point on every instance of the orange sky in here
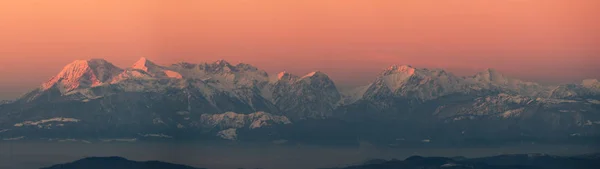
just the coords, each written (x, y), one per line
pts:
(351, 40)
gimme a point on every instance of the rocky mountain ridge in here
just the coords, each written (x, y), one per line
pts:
(196, 98)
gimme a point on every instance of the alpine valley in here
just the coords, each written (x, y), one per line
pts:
(94, 100)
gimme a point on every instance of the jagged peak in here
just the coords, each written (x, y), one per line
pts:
(396, 67)
(407, 69)
(222, 62)
(143, 64)
(280, 75)
(286, 76)
(142, 60)
(314, 74)
(246, 67)
(185, 65)
(218, 66)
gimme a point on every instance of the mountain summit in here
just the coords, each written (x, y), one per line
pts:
(83, 74)
(154, 70)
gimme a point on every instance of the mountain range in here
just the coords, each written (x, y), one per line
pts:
(93, 99)
(508, 161)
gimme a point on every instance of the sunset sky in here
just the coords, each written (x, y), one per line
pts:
(549, 41)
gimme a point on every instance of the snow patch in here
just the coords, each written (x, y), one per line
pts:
(309, 75)
(142, 64)
(234, 120)
(567, 111)
(156, 135)
(229, 134)
(280, 141)
(395, 76)
(463, 118)
(14, 138)
(449, 165)
(70, 140)
(172, 74)
(594, 101)
(37, 123)
(280, 75)
(120, 140)
(183, 113)
(157, 121)
(513, 113)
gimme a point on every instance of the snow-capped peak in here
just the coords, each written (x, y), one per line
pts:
(144, 64)
(246, 67)
(394, 76)
(280, 75)
(83, 73)
(314, 74)
(283, 75)
(400, 67)
(154, 70)
(405, 69)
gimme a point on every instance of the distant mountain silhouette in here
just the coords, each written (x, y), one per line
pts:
(510, 161)
(517, 161)
(117, 163)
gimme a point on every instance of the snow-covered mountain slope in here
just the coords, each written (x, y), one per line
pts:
(491, 79)
(186, 97)
(515, 115)
(223, 74)
(83, 74)
(407, 81)
(426, 84)
(227, 124)
(587, 88)
(147, 68)
(311, 96)
(235, 120)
